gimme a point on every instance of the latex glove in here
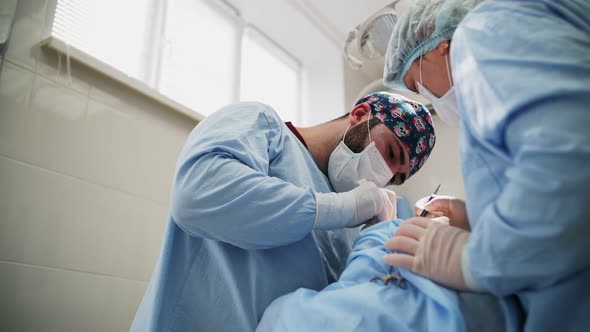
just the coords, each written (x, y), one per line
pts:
(354, 207)
(389, 213)
(430, 249)
(451, 207)
(374, 204)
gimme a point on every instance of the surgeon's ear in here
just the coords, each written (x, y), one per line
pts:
(359, 113)
(443, 48)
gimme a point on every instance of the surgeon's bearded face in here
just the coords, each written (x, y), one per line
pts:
(357, 137)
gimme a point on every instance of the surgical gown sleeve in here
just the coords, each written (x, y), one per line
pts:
(223, 189)
(526, 102)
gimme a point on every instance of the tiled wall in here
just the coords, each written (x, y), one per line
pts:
(85, 173)
(85, 170)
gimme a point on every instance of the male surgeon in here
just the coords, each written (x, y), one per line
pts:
(260, 208)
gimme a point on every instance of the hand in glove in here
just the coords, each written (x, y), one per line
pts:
(431, 249)
(373, 204)
(363, 203)
(450, 207)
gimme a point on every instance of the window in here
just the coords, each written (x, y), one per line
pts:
(198, 63)
(108, 31)
(196, 52)
(269, 74)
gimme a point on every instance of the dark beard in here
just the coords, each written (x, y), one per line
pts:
(356, 137)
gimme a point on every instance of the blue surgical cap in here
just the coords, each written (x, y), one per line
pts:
(425, 25)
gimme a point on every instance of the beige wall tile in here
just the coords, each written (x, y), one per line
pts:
(15, 89)
(57, 125)
(133, 148)
(40, 299)
(58, 221)
(134, 155)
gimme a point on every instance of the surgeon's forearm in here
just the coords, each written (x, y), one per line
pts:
(334, 210)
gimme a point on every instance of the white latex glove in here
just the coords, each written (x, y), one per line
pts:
(373, 203)
(352, 208)
(451, 207)
(431, 249)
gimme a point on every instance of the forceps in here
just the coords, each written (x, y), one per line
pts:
(401, 281)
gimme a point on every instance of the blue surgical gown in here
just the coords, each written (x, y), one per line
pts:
(240, 232)
(522, 74)
(355, 303)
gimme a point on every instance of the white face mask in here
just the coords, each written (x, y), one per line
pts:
(346, 169)
(445, 106)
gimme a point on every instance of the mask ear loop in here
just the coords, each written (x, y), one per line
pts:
(369, 128)
(345, 132)
(448, 71)
(420, 70)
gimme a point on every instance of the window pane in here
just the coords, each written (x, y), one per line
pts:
(113, 31)
(269, 75)
(199, 65)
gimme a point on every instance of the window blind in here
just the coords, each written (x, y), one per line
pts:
(115, 32)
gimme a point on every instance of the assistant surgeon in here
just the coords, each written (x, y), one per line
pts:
(260, 208)
(515, 76)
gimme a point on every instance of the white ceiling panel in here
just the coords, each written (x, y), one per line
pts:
(345, 14)
(335, 18)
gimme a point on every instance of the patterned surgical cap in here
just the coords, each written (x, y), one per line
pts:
(410, 121)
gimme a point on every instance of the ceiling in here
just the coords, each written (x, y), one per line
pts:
(341, 15)
(335, 18)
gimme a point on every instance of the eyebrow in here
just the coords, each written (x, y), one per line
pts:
(402, 158)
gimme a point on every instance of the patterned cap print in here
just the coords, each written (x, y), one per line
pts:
(410, 121)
